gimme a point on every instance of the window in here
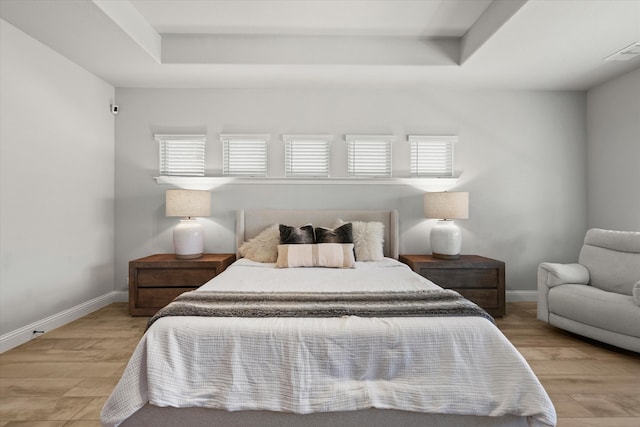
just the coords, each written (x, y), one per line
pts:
(306, 155)
(432, 155)
(244, 154)
(181, 155)
(369, 155)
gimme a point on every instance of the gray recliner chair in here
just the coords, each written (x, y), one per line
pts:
(599, 297)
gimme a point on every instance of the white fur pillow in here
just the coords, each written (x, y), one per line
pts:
(636, 292)
(263, 247)
(368, 238)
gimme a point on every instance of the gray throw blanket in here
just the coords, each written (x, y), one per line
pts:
(427, 303)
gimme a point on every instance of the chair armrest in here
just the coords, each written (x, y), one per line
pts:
(554, 274)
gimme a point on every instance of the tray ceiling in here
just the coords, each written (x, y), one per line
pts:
(508, 44)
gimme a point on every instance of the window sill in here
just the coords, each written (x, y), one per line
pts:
(210, 182)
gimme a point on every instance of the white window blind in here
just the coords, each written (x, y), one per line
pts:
(181, 155)
(432, 155)
(244, 155)
(306, 155)
(369, 155)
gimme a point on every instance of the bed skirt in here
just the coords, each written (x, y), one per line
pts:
(153, 416)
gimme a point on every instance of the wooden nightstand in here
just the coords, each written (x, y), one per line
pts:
(477, 278)
(154, 281)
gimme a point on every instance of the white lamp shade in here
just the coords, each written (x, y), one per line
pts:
(446, 205)
(188, 203)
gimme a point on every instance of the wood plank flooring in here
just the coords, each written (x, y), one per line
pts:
(591, 384)
(63, 377)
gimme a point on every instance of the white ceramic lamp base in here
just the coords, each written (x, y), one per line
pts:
(188, 239)
(446, 240)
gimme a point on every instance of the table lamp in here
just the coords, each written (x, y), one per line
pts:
(446, 238)
(188, 235)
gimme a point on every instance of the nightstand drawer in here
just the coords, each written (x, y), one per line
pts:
(477, 278)
(462, 278)
(172, 277)
(485, 298)
(156, 280)
(158, 297)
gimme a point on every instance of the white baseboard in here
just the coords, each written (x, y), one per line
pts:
(20, 336)
(521, 296)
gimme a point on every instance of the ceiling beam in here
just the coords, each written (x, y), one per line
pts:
(491, 20)
(308, 50)
(124, 14)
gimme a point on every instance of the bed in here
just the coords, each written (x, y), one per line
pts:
(312, 370)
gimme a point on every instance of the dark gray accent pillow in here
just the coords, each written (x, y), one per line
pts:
(296, 235)
(342, 234)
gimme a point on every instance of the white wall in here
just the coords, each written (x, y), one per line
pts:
(521, 155)
(613, 112)
(57, 196)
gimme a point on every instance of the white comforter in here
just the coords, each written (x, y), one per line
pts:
(303, 365)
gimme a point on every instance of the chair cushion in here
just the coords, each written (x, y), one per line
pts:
(612, 258)
(592, 306)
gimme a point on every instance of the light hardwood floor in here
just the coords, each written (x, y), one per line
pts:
(63, 378)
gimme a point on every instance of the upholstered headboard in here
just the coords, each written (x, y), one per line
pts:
(250, 222)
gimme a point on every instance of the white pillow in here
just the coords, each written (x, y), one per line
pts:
(263, 247)
(368, 238)
(335, 255)
(636, 292)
